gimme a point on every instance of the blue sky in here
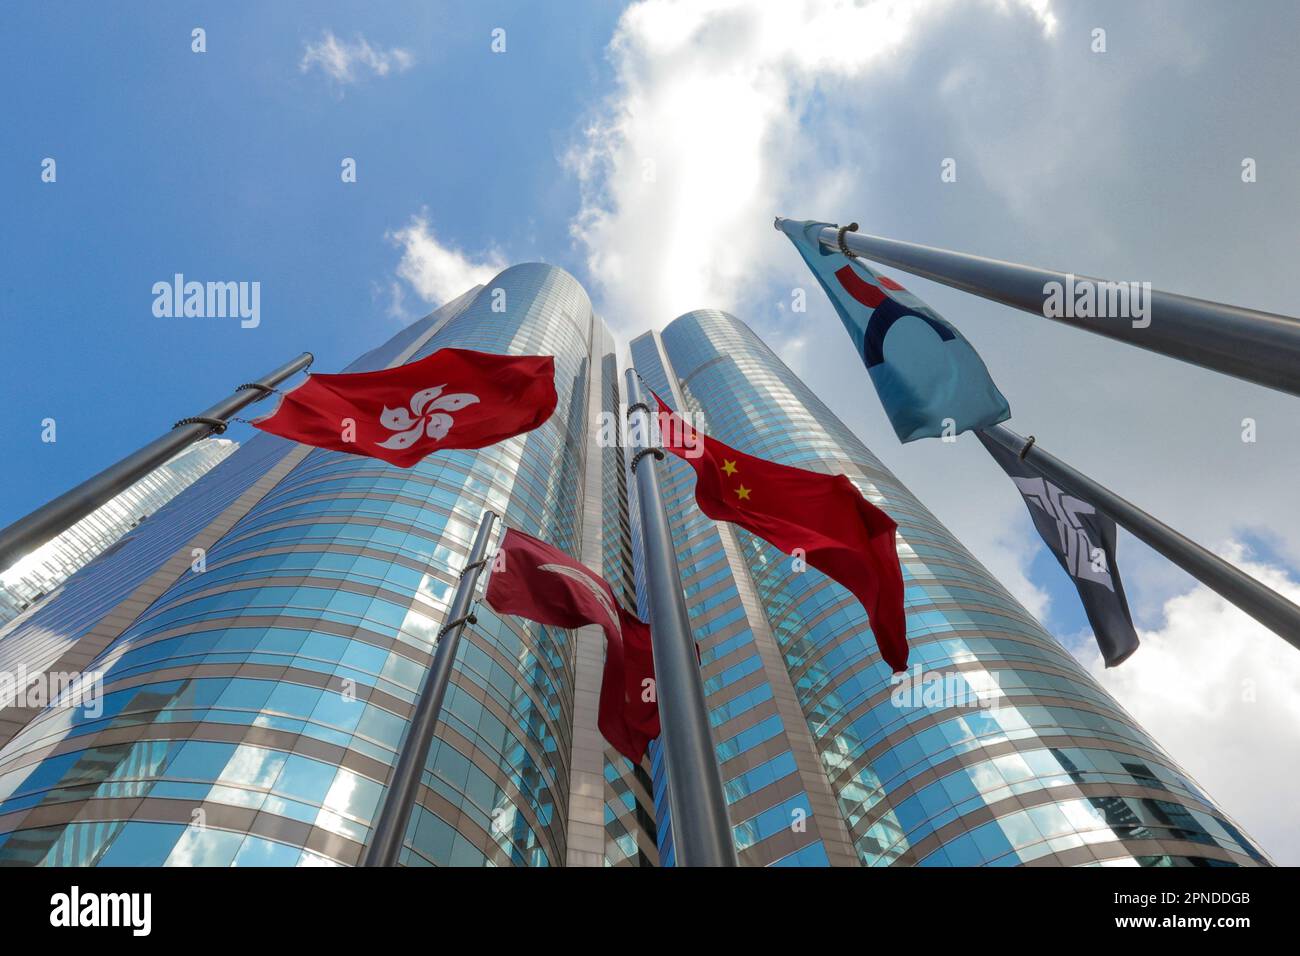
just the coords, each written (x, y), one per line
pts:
(226, 165)
(646, 147)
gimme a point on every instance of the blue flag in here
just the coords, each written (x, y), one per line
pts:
(924, 371)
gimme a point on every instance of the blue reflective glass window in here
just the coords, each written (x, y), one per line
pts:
(142, 844)
(205, 847)
(293, 699)
(200, 760)
(305, 779)
(258, 852)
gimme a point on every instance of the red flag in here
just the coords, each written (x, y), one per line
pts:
(543, 584)
(842, 534)
(454, 398)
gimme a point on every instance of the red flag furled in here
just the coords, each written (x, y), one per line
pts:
(534, 580)
(841, 534)
(454, 398)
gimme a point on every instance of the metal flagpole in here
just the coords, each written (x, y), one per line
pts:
(70, 507)
(701, 828)
(399, 798)
(1259, 347)
(1263, 604)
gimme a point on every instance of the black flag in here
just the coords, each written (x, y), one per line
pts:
(1083, 540)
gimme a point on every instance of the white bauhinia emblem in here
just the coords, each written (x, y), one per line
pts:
(602, 598)
(428, 416)
(1082, 560)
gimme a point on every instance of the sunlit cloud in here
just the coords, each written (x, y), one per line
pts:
(435, 271)
(688, 160)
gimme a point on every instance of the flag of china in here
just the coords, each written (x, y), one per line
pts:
(534, 580)
(841, 534)
(454, 398)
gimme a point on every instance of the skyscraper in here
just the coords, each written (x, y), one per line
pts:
(39, 573)
(1019, 756)
(262, 639)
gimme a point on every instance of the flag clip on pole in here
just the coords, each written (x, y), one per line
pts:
(839, 240)
(63, 512)
(399, 798)
(1259, 347)
(1231, 583)
(698, 804)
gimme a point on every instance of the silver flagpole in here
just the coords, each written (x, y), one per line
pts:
(1259, 347)
(1263, 604)
(399, 799)
(701, 828)
(70, 507)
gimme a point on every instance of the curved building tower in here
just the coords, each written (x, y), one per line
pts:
(261, 640)
(1015, 756)
(258, 643)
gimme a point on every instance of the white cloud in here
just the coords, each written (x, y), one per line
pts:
(1221, 694)
(347, 62)
(687, 161)
(435, 271)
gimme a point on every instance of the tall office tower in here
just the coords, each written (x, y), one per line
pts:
(39, 574)
(823, 760)
(262, 638)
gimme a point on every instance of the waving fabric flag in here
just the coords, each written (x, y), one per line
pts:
(454, 398)
(924, 371)
(841, 534)
(535, 580)
(1083, 540)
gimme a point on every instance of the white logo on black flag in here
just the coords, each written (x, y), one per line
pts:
(1083, 541)
(1073, 545)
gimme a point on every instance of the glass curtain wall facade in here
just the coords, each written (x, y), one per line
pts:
(254, 699)
(1023, 759)
(39, 574)
(261, 638)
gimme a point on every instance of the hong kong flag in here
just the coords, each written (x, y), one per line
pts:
(840, 533)
(534, 580)
(454, 398)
